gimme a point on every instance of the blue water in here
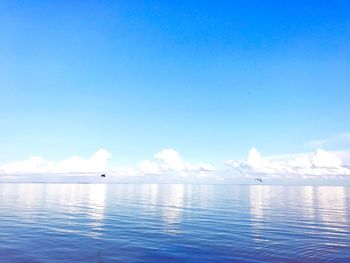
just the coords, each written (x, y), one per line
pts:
(173, 223)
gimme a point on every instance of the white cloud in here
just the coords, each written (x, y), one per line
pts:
(38, 165)
(149, 167)
(170, 161)
(34, 164)
(167, 161)
(325, 159)
(96, 163)
(168, 166)
(320, 163)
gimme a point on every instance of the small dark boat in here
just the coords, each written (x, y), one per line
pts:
(103, 175)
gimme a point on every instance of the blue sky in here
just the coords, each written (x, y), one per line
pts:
(209, 78)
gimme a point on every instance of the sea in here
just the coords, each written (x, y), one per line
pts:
(48, 222)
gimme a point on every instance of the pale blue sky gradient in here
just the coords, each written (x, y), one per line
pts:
(208, 78)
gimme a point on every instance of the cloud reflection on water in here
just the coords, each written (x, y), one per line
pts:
(314, 209)
(96, 204)
(331, 202)
(265, 219)
(173, 207)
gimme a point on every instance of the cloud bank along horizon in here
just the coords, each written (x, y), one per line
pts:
(169, 163)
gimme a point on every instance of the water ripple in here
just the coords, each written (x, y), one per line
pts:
(173, 223)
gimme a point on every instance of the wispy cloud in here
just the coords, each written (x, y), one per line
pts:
(341, 138)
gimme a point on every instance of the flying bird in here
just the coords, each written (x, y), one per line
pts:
(103, 175)
(259, 179)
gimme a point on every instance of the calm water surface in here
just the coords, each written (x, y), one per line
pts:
(173, 223)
